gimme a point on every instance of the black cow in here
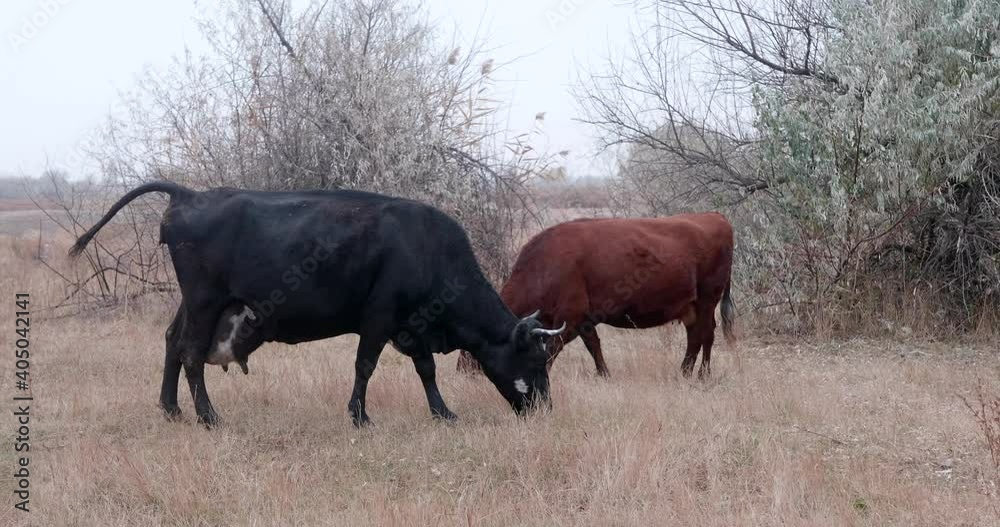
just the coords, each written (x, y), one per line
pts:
(300, 266)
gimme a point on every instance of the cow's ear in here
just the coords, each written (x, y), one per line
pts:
(522, 334)
(522, 331)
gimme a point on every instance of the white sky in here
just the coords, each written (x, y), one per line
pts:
(63, 69)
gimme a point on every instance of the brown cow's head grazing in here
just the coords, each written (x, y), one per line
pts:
(525, 383)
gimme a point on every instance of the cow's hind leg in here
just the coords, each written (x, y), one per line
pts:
(195, 339)
(692, 323)
(707, 339)
(172, 367)
(694, 333)
(691, 355)
(425, 368)
(593, 343)
(195, 373)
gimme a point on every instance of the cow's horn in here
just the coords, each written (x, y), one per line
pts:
(533, 315)
(243, 366)
(549, 332)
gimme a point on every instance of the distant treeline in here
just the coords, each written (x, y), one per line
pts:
(23, 188)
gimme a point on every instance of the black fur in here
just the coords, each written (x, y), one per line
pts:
(317, 264)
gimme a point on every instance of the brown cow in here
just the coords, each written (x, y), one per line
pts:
(630, 273)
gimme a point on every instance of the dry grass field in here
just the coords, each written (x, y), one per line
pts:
(795, 433)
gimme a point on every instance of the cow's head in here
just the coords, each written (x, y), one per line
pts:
(524, 379)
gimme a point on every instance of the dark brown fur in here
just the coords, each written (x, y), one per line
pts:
(629, 273)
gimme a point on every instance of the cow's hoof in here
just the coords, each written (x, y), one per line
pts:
(604, 374)
(209, 420)
(444, 415)
(171, 412)
(360, 421)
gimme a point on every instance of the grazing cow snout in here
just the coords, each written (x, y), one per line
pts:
(530, 397)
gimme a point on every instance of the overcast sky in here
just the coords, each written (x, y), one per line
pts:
(64, 67)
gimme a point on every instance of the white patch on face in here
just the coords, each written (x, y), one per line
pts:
(223, 351)
(520, 386)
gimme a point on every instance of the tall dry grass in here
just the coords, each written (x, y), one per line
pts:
(855, 432)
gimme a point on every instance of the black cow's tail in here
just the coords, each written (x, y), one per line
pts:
(156, 186)
(728, 317)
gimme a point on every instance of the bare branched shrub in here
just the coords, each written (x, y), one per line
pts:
(985, 408)
(125, 265)
(358, 94)
(955, 240)
(589, 195)
(704, 170)
(851, 143)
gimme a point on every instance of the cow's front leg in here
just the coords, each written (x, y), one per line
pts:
(425, 368)
(195, 373)
(369, 350)
(593, 344)
(193, 342)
